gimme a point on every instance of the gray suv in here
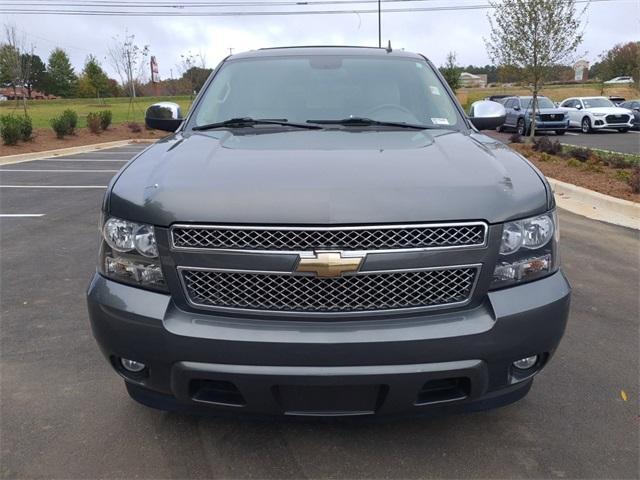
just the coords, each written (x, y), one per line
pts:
(549, 118)
(327, 233)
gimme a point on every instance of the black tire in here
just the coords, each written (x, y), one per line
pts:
(521, 128)
(585, 125)
(560, 132)
(623, 130)
(499, 128)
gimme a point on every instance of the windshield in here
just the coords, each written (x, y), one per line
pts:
(597, 102)
(543, 102)
(301, 88)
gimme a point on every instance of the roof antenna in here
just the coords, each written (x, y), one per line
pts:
(389, 50)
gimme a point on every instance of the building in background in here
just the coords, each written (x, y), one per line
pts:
(468, 80)
(581, 70)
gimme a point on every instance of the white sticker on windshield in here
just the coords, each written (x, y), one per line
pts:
(439, 121)
(434, 90)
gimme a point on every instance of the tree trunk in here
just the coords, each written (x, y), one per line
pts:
(534, 111)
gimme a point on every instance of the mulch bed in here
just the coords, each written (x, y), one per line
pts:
(45, 139)
(600, 178)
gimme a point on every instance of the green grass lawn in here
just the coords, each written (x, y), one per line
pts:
(42, 111)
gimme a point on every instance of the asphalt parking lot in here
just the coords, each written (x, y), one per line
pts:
(604, 139)
(65, 414)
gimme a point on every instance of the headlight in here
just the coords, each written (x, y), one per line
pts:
(129, 254)
(598, 114)
(528, 250)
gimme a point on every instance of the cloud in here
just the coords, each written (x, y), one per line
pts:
(432, 33)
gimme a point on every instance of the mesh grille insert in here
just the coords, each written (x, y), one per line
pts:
(297, 293)
(344, 239)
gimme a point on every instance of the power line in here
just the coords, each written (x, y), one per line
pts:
(483, 6)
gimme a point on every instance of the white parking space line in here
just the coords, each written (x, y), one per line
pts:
(61, 170)
(76, 160)
(53, 186)
(11, 215)
(572, 134)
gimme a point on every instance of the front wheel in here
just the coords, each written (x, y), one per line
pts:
(586, 125)
(521, 128)
(560, 132)
(623, 130)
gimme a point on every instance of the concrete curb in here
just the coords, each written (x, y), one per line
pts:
(596, 206)
(27, 157)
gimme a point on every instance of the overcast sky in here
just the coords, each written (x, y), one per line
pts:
(432, 33)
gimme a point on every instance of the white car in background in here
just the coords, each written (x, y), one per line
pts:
(595, 113)
(619, 80)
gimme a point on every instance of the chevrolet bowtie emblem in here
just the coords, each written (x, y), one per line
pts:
(329, 264)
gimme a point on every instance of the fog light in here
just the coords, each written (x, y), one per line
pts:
(526, 363)
(132, 365)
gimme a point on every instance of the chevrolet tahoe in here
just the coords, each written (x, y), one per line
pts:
(328, 233)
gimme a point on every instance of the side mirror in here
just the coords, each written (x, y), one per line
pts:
(578, 107)
(165, 116)
(516, 107)
(487, 115)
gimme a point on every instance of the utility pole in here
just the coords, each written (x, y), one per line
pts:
(379, 25)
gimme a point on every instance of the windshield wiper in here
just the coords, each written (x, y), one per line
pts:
(366, 122)
(250, 122)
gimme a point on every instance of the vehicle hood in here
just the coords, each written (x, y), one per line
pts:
(552, 111)
(609, 110)
(327, 177)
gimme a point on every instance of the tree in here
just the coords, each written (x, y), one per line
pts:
(61, 79)
(451, 72)
(622, 59)
(194, 70)
(15, 62)
(8, 63)
(36, 73)
(534, 35)
(93, 79)
(129, 61)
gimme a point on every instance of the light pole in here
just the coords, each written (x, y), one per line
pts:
(379, 26)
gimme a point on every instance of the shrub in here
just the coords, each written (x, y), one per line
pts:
(572, 162)
(94, 122)
(71, 119)
(623, 175)
(545, 145)
(580, 154)
(545, 157)
(26, 128)
(105, 119)
(134, 127)
(10, 129)
(515, 138)
(617, 161)
(634, 179)
(592, 167)
(60, 125)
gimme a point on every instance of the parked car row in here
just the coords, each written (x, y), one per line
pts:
(585, 113)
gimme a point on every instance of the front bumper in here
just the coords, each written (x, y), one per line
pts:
(550, 126)
(600, 123)
(430, 362)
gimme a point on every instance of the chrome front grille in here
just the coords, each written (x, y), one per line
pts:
(371, 291)
(296, 239)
